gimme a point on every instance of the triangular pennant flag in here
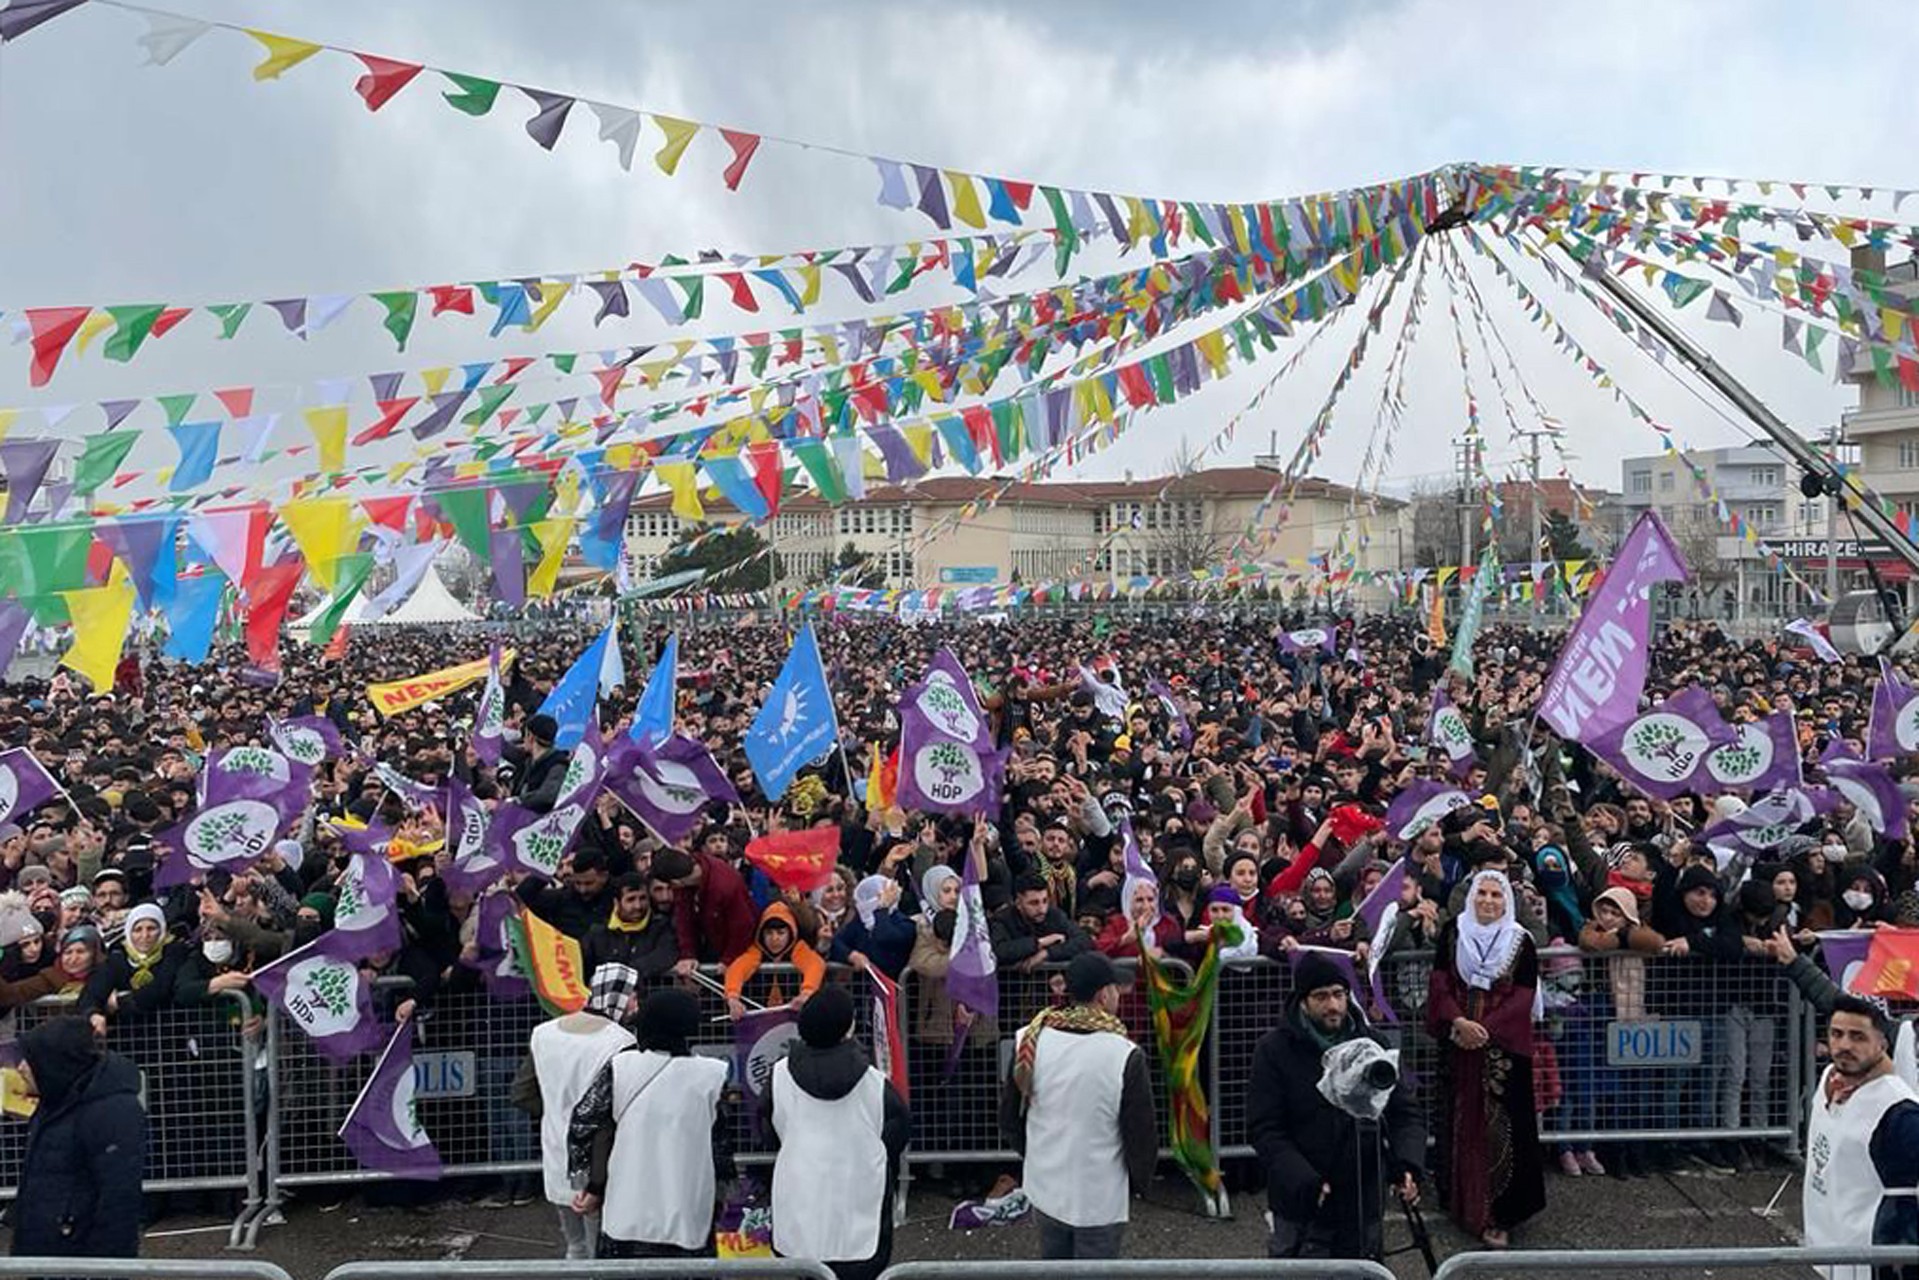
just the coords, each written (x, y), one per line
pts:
(544, 128)
(169, 34)
(283, 53)
(384, 77)
(52, 329)
(744, 145)
(101, 617)
(678, 134)
(471, 94)
(22, 16)
(328, 424)
(620, 127)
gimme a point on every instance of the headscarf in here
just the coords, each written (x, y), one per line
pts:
(1315, 918)
(866, 898)
(143, 962)
(669, 1019)
(1556, 882)
(61, 1052)
(931, 883)
(612, 990)
(1486, 951)
(1248, 944)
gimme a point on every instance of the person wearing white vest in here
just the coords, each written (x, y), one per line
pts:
(1079, 1107)
(564, 1057)
(651, 1140)
(1862, 1144)
(841, 1128)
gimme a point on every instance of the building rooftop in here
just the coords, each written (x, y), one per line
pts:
(1216, 482)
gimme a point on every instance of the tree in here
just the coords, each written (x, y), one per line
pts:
(1563, 537)
(853, 568)
(735, 559)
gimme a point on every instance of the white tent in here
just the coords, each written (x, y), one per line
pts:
(430, 602)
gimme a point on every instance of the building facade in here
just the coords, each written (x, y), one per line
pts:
(925, 535)
(1884, 431)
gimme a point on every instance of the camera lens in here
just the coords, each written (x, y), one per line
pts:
(1381, 1074)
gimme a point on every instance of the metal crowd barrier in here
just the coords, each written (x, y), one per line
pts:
(632, 1269)
(138, 1269)
(1644, 1262)
(1139, 1269)
(199, 1078)
(1631, 1049)
(1720, 1050)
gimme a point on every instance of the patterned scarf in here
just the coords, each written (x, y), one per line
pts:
(1062, 883)
(1078, 1018)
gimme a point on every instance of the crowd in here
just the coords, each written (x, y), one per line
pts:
(1253, 784)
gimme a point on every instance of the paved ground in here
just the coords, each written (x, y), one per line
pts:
(1584, 1213)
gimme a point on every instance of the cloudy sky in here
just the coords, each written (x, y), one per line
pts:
(191, 183)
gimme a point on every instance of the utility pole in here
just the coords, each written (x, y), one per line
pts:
(1532, 508)
(1833, 441)
(1468, 453)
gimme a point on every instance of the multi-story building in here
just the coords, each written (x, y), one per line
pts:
(1730, 577)
(1884, 428)
(929, 534)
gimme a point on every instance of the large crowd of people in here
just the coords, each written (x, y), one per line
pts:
(1253, 786)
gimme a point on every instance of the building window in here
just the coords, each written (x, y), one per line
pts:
(1640, 482)
(1906, 397)
(1665, 482)
(1765, 477)
(1761, 515)
(1908, 455)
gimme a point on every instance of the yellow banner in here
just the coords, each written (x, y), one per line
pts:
(1436, 621)
(395, 696)
(553, 965)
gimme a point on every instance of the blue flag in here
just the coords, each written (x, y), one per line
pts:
(574, 698)
(797, 724)
(199, 447)
(653, 718)
(192, 614)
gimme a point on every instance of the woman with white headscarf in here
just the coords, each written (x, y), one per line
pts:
(1141, 915)
(880, 934)
(1481, 1003)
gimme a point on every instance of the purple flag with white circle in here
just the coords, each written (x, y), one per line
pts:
(383, 1127)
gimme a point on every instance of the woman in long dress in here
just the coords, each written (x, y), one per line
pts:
(1481, 1006)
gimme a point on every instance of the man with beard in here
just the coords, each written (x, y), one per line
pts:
(633, 934)
(1324, 1169)
(1862, 1144)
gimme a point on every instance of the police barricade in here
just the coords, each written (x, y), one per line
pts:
(468, 1048)
(1629, 1048)
(199, 1078)
(1683, 1262)
(1140, 1269)
(956, 1092)
(629, 1269)
(139, 1269)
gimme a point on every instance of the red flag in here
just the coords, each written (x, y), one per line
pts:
(384, 78)
(889, 1045)
(388, 512)
(744, 145)
(268, 593)
(802, 860)
(336, 647)
(238, 400)
(53, 328)
(391, 411)
(1892, 965)
(742, 295)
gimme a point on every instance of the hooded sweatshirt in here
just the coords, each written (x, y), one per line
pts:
(812, 969)
(86, 1148)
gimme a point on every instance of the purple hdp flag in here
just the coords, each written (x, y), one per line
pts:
(259, 773)
(1870, 789)
(532, 842)
(1768, 822)
(1663, 750)
(668, 787)
(1763, 757)
(1420, 804)
(307, 740)
(25, 785)
(1844, 950)
(1136, 868)
(415, 795)
(13, 628)
(1447, 729)
(1181, 725)
(237, 822)
(1602, 669)
(489, 721)
(972, 977)
(1380, 910)
(367, 911)
(1372, 908)
(494, 960)
(321, 990)
(1893, 730)
(947, 761)
(383, 1127)
(473, 863)
(1309, 640)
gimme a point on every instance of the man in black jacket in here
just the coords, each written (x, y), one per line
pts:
(86, 1148)
(633, 934)
(538, 784)
(586, 899)
(1032, 931)
(1325, 1169)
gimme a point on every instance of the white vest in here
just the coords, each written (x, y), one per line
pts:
(1075, 1161)
(567, 1053)
(829, 1180)
(1843, 1190)
(660, 1181)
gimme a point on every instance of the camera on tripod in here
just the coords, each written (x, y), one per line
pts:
(1358, 1077)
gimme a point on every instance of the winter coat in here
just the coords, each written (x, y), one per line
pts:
(649, 950)
(86, 1153)
(1303, 1141)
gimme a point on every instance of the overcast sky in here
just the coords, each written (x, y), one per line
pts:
(191, 183)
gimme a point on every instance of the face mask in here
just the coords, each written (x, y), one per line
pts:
(1186, 877)
(217, 950)
(1857, 899)
(509, 733)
